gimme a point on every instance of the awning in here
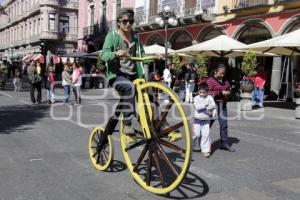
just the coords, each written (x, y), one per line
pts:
(26, 57)
(37, 57)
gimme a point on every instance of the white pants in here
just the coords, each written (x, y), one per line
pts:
(50, 94)
(201, 132)
(17, 84)
(189, 89)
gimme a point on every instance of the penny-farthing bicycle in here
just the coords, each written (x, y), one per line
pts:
(158, 155)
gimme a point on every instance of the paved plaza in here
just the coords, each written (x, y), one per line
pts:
(44, 154)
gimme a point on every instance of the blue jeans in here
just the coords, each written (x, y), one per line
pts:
(258, 97)
(222, 113)
(66, 93)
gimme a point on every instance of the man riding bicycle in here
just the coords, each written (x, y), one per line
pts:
(118, 47)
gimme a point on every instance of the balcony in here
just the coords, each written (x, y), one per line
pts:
(95, 29)
(250, 4)
(70, 4)
(55, 35)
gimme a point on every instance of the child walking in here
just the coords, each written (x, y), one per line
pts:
(205, 109)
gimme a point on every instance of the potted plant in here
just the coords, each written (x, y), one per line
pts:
(176, 61)
(248, 69)
(202, 68)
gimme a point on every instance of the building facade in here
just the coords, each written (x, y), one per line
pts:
(248, 21)
(97, 17)
(36, 26)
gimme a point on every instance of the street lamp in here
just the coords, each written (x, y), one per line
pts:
(166, 18)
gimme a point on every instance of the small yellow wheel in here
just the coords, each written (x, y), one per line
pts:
(159, 164)
(101, 156)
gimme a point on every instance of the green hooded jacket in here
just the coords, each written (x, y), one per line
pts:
(112, 42)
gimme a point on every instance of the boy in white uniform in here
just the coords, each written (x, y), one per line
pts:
(205, 110)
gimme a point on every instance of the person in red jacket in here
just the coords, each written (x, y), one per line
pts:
(220, 90)
(259, 81)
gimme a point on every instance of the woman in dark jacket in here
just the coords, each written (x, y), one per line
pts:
(220, 90)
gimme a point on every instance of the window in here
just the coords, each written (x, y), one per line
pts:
(63, 24)
(51, 25)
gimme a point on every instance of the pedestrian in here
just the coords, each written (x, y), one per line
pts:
(66, 83)
(35, 80)
(205, 110)
(77, 82)
(167, 78)
(119, 45)
(259, 83)
(50, 84)
(93, 77)
(190, 78)
(220, 90)
(17, 80)
(3, 72)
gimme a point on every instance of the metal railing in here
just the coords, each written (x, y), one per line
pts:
(238, 4)
(144, 16)
(97, 29)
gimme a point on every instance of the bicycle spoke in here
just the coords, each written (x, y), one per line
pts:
(140, 159)
(149, 166)
(96, 152)
(170, 129)
(98, 158)
(164, 115)
(172, 146)
(94, 147)
(137, 144)
(104, 155)
(96, 141)
(168, 162)
(98, 135)
(155, 156)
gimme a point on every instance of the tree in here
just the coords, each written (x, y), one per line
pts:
(177, 63)
(201, 63)
(249, 64)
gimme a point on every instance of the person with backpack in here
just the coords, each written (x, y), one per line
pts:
(35, 80)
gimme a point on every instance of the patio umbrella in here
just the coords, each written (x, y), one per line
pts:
(93, 55)
(287, 44)
(156, 49)
(221, 46)
(76, 54)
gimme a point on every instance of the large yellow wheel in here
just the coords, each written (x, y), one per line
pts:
(101, 155)
(159, 164)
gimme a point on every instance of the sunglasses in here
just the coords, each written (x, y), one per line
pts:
(125, 21)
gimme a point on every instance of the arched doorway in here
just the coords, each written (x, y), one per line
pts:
(210, 32)
(180, 39)
(155, 38)
(290, 25)
(252, 31)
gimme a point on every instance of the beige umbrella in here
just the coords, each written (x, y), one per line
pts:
(156, 49)
(221, 46)
(288, 44)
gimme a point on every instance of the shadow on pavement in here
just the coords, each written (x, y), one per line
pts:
(281, 104)
(216, 144)
(192, 187)
(14, 117)
(117, 166)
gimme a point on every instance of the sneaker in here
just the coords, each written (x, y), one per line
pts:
(205, 154)
(128, 130)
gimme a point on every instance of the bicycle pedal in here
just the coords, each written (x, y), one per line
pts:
(174, 136)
